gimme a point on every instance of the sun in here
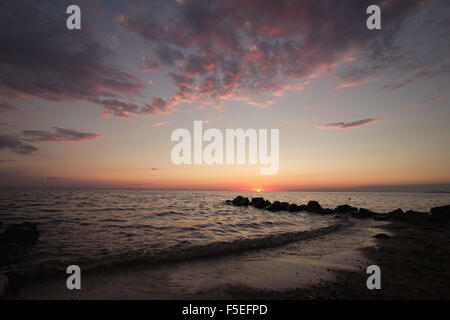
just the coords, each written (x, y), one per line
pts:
(258, 189)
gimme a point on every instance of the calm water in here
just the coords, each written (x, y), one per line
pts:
(95, 227)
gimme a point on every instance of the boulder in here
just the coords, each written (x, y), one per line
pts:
(260, 203)
(276, 206)
(293, 207)
(396, 212)
(4, 282)
(16, 280)
(285, 206)
(258, 200)
(440, 214)
(241, 201)
(229, 202)
(302, 207)
(381, 217)
(365, 213)
(314, 206)
(23, 234)
(345, 208)
(9, 253)
(382, 236)
(327, 211)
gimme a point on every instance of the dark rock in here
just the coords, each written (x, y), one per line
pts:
(23, 234)
(440, 214)
(412, 212)
(4, 283)
(396, 212)
(293, 207)
(228, 201)
(314, 206)
(257, 200)
(327, 211)
(241, 201)
(382, 236)
(365, 213)
(260, 203)
(345, 208)
(276, 206)
(16, 280)
(381, 217)
(1, 226)
(9, 253)
(303, 207)
(285, 206)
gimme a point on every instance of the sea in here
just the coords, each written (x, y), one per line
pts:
(94, 228)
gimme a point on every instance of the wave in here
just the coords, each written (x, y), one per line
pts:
(187, 251)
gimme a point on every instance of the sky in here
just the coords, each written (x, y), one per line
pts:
(97, 106)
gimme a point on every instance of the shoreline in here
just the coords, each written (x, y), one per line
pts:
(331, 266)
(412, 251)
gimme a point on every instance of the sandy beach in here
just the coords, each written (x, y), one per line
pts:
(414, 263)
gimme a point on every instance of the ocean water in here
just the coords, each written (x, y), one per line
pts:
(97, 227)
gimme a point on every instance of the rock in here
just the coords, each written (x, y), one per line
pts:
(241, 201)
(4, 283)
(229, 202)
(267, 205)
(1, 226)
(365, 213)
(23, 234)
(259, 203)
(293, 207)
(345, 208)
(257, 200)
(303, 207)
(314, 206)
(16, 281)
(381, 217)
(440, 214)
(396, 212)
(10, 253)
(276, 206)
(285, 206)
(327, 211)
(411, 216)
(382, 236)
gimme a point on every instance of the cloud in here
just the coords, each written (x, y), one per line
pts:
(354, 77)
(15, 145)
(58, 135)
(312, 105)
(155, 169)
(5, 106)
(149, 64)
(347, 125)
(117, 107)
(229, 49)
(162, 123)
(40, 58)
(425, 102)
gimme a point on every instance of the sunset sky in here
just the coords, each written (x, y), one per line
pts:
(97, 106)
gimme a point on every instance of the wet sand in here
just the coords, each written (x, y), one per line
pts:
(414, 264)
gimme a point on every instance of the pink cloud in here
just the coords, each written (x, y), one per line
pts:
(347, 125)
(162, 123)
(58, 135)
(311, 106)
(425, 102)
